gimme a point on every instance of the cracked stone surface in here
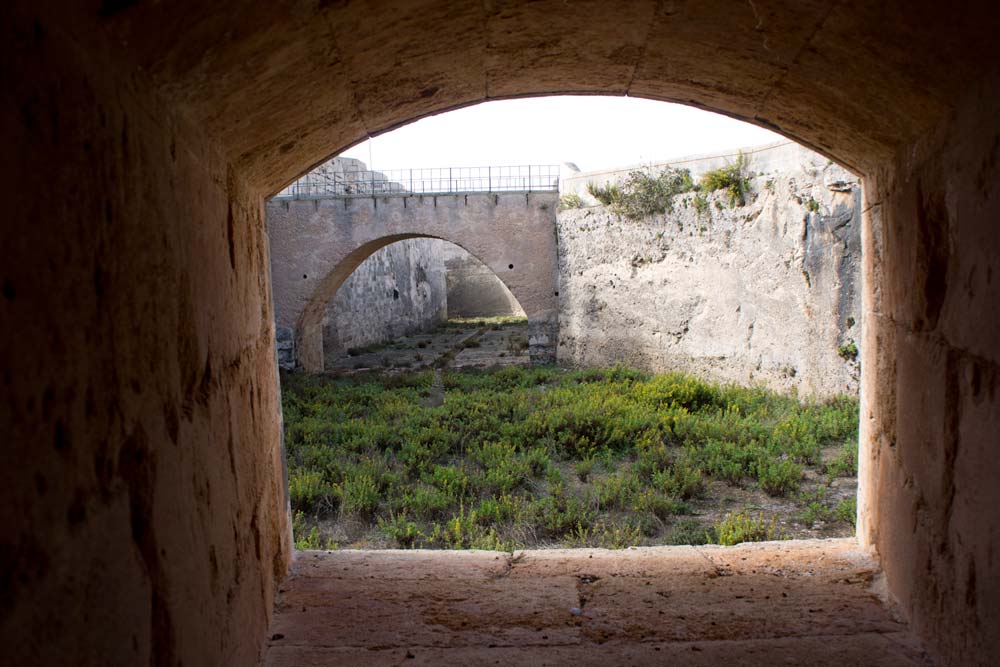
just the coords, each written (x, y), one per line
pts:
(804, 602)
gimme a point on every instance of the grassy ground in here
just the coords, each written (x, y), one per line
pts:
(542, 456)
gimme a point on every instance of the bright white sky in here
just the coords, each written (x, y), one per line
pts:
(593, 132)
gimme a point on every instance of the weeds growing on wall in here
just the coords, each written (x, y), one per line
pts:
(569, 201)
(546, 456)
(643, 193)
(609, 195)
(732, 179)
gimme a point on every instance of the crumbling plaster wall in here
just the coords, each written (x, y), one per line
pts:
(399, 290)
(144, 516)
(767, 292)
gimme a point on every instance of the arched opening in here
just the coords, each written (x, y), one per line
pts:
(421, 303)
(747, 273)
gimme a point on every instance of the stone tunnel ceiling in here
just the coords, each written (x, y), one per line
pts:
(852, 80)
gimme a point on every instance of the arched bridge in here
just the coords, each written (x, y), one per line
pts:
(322, 229)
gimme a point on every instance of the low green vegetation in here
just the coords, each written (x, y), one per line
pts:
(732, 179)
(569, 201)
(643, 193)
(740, 527)
(848, 351)
(542, 456)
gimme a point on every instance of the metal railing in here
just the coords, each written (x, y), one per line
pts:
(430, 181)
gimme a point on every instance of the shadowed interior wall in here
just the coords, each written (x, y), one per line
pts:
(143, 509)
(142, 506)
(397, 291)
(473, 289)
(931, 418)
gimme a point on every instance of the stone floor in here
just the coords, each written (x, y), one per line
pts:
(808, 602)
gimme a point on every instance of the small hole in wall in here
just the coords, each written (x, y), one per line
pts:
(304, 276)
(510, 266)
(395, 294)
(557, 293)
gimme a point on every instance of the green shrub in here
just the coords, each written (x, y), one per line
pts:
(738, 527)
(367, 445)
(732, 179)
(538, 461)
(306, 537)
(778, 477)
(501, 509)
(683, 479)
(848, 351)
(845, 464)
(571, 200)
(359, 495)
(462, 531)
(604, 536)
(645, 193)
(847, 510)
(426, 502)
(606, 194)
(658, 504)
(558, 513)
(616, 491)
(584, 468)
(399, 528)
(687, 531)
(700, 202)
(308, 490)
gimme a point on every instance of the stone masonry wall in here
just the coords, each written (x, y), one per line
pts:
(400, 289)
(473, 289)
(767, 292)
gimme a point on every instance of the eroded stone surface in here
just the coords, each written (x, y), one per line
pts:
(751, 604)
(768, 292)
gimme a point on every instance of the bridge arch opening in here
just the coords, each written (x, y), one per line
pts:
(400, 304)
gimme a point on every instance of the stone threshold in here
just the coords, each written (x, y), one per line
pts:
(807, 602)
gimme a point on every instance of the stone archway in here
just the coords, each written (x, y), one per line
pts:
(316, 244)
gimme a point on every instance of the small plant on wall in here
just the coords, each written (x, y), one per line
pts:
(848, 351)
(571, 200)
(644, 193)
(732, 178)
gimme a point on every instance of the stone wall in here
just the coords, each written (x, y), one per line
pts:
(145, 521)
(767, 292)
(473, 289)
(399, 290)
